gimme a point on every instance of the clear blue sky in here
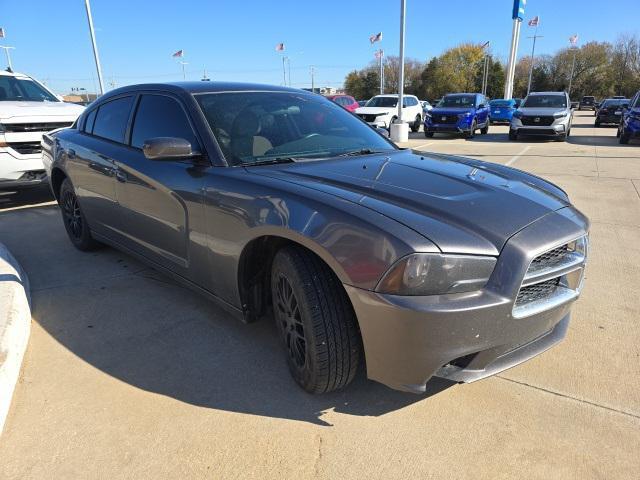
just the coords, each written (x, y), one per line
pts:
(236, 39)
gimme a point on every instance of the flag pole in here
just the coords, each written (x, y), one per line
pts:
(95, 46)
(6, 51)
(533, 50)
(573, 67)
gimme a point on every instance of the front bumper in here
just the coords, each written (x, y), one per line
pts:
(469, 336)
(20, 171)
(553, 130)
(462, 126)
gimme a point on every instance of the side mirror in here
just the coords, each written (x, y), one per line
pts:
(382, 131)
(482, 105)
(168, 148)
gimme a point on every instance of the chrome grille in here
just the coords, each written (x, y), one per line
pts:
(553, 278)
(35, 127)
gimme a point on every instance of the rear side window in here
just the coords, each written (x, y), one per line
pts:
(160, 116)
(88, 123)
(111, 119)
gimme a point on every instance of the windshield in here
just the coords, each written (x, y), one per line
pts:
(383, 102)
(458, 101)
(23, 90)
(545, 101)
(254, 127)
(501, 103)
(614, 102)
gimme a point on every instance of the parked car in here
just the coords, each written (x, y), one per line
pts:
(610, 111)
(27, 110)
(630, 124)
(346, 101)
(543, 113)
(587, 103)
(382, 110)
(459, 113)
(276, 202)
(501, 110)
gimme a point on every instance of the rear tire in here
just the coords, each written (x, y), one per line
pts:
(415, 127)
(597, 124)
(428, 134)
(513, 135)
(315, 320)
(74, 220)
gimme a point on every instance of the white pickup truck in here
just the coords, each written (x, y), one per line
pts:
(27, 110)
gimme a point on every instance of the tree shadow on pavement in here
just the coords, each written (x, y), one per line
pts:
(155, 335)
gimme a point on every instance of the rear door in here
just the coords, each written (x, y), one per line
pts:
(160, 198)
(92, 165)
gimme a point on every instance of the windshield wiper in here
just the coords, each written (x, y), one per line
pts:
(362, 151)
(271, 161)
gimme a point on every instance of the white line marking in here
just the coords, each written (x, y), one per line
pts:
(516, 157)
(420, 146)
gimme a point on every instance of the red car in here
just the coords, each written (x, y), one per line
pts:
(346, 101)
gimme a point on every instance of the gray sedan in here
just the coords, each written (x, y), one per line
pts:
(276, 203)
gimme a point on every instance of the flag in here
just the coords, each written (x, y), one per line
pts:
(178, 54)
(1, 32)
(485, 44)
(534, 21)
(375, 38)
(379, 54)
(280, 47)
(573, 40)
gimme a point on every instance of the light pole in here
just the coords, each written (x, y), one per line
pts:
(6, 51)
(517, 16)
(399, 129)
(573, 41)
(284, 70)
(95, 46)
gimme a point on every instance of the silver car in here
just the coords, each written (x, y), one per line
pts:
(543, 113)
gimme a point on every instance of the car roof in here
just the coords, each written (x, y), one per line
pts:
(4, 73)
(395, 95)
(461, 93)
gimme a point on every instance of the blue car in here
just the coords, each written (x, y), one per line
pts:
(630, 124)
(501, 110)
(459, 113)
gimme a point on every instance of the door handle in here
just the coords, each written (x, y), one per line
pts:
(121, 177)
(71, 153)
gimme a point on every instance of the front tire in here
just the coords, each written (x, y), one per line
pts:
(484, 130)
(624, 137)
(74, 220)
(471, 133)
(513, 135)
(415, 127)
(428, 134)
(315, 320)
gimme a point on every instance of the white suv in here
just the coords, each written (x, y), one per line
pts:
(27, 110)
(382, 110)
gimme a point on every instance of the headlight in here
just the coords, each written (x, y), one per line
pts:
(464, 115)
(517, 114)
(436, 274)
(560, 114)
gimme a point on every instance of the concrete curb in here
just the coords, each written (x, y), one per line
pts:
(15, 326)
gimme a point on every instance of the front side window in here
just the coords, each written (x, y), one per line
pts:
(111, 119)
(458, 101)
(160, 116)
(16, 89)
(253, 127)
(545, 101)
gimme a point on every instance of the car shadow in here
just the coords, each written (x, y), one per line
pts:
(144, 329)
(26, 197)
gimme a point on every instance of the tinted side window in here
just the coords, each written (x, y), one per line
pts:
(88, 123)
(160, 116)
(636, 103)
(111, 119)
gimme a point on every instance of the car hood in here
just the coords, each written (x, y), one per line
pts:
(376, 110)
(17, 111)
(461, 205)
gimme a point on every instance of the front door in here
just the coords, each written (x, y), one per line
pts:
(161, 199)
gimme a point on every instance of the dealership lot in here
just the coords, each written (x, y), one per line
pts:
(129, 375)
